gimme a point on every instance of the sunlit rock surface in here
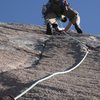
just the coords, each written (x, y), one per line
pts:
(27, 54)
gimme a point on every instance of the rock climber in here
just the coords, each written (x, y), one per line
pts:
(56, 10)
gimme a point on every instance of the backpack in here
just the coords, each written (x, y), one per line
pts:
(56, 6)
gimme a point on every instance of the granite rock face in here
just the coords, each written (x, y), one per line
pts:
(27, 54)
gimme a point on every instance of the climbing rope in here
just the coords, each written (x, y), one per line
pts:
(48, 77)
(57, 73)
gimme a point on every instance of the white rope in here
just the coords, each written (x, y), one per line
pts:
(56, 73)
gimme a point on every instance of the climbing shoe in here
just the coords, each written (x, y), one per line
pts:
(78, 29)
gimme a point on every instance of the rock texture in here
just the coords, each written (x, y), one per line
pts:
(27, 54)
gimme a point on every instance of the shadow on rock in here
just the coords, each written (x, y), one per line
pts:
(12, 84)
